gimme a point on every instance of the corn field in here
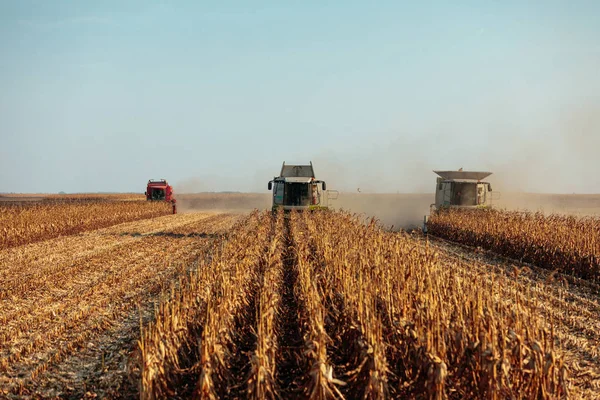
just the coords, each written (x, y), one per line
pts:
(30, 223)
(322, 306)
(567, 244)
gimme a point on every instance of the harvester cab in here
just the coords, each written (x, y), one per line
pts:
(296, 188)
(160, 190)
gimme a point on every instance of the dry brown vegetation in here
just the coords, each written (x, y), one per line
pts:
(30, 198)
(60, 294)
(372, 315)
(567, 244)
(22, 224)
(568, 306)
(307, 305)
(188, 347)
(96, 196)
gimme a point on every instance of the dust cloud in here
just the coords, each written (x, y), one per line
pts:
(198, 194)
(230, 202)
(397, 195)
(549, 167)
(394, 211)
(537, 167)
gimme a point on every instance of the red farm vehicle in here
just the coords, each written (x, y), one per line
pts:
(160, 190)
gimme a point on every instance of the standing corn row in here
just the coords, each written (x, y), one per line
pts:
(230, 297)
(322, 384)
(457, 332)
(27, 224)
(344, 276)
(262, 381)
(446, 329)
(381, 315)
(460, 322)
(566, 243)
(169, 345)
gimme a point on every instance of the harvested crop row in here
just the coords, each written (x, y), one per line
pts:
(184, 350)
(27, 224)
(50, 260)
(564, 243)
(43, 268)
(48, 319)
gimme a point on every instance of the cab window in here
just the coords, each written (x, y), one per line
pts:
(278, 193)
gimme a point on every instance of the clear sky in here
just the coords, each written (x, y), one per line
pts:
(102, 96)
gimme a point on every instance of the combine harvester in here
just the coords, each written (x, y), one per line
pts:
(461, 189)
(296, 188)
(160, 190)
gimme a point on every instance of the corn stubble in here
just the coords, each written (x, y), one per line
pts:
(380, 315)
(60, 295)
(564, 243)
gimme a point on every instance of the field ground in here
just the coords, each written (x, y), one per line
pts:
(72, 308)
(80, 294)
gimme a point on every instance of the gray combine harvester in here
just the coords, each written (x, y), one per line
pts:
(461, 189)
(296, 188)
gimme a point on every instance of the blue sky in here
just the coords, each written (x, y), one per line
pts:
(215, 95)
